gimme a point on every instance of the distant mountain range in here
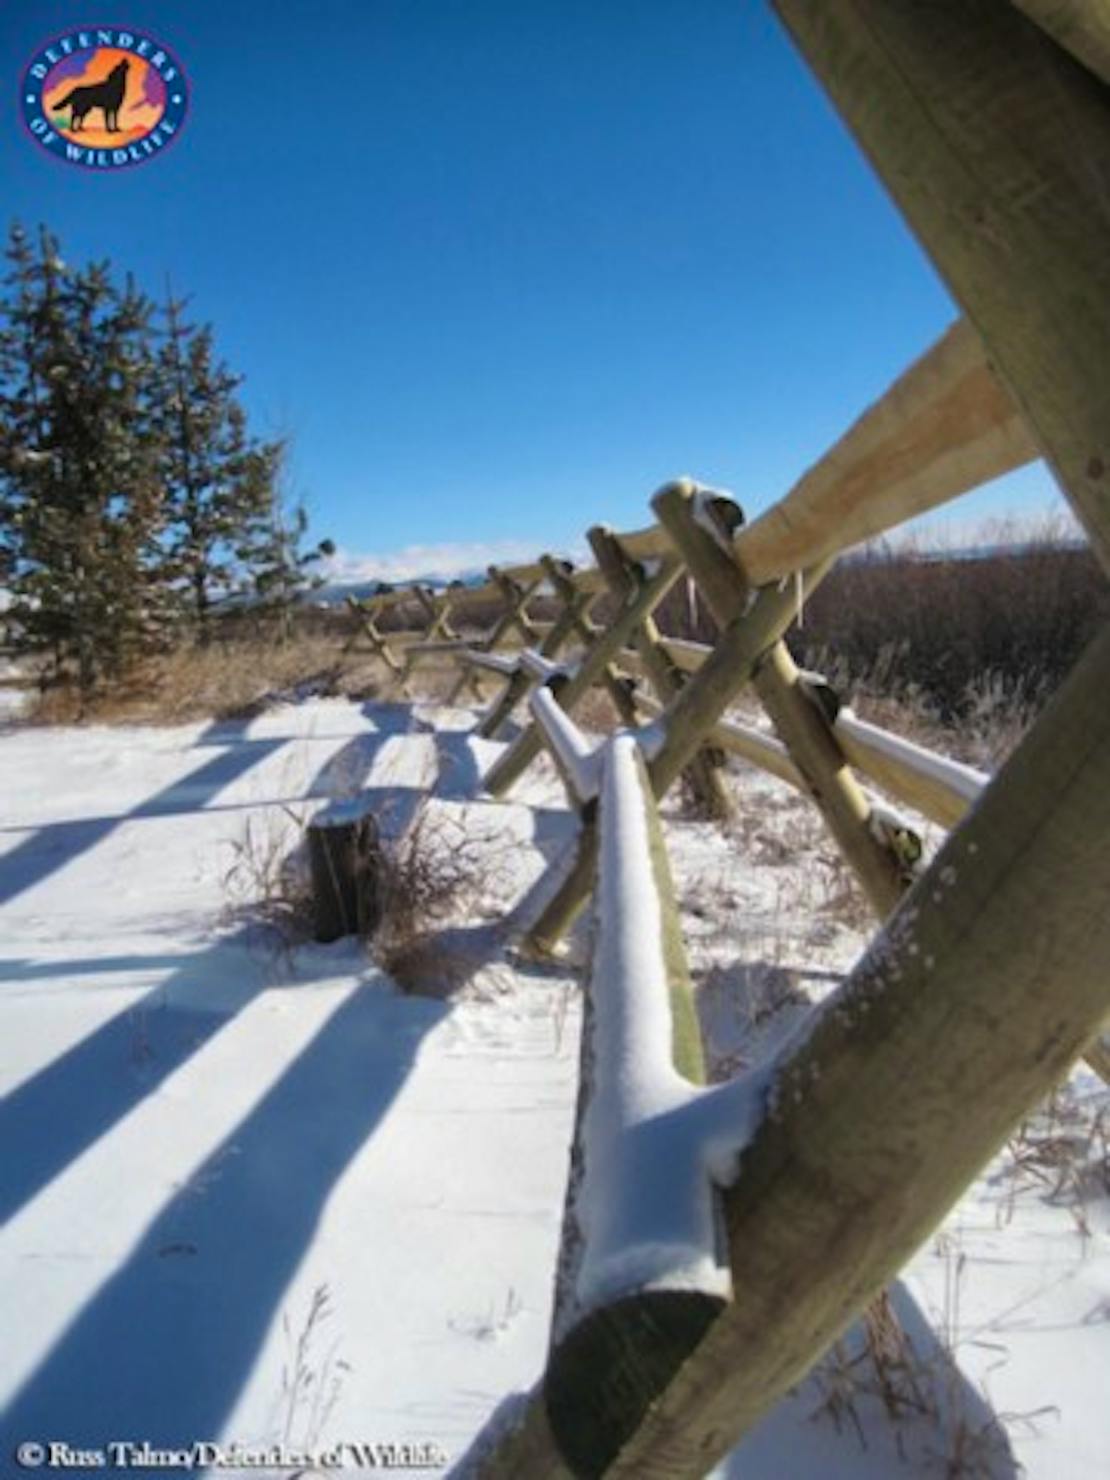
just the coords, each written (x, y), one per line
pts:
(333, 592)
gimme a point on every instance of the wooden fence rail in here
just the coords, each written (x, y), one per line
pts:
(686, 1306)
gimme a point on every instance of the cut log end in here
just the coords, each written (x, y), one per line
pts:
(613, 1364)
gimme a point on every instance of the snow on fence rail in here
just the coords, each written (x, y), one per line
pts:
(645, 1267)
(993, 959)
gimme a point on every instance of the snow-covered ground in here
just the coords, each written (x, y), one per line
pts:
(12, 696)
(256, 1194)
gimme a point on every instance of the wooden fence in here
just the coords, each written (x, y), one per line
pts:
(717, 1240)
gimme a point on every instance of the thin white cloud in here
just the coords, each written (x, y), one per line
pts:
(942, 530)
(424, 562)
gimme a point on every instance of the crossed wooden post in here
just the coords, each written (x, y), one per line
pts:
(618, 688)
(605, 650)
(439, 636)
(366, 613)
(802, 724)
(624, 577)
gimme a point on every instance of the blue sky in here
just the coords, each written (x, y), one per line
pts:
(499, 269)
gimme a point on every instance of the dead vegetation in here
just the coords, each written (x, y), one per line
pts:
(224, 680)
(432, 883)
(876, 1361)
(786, 830)
(429, 876)
(1016, 614)
(313, 1374)
(1061, 1154)
(929, 1410)
(267, 880)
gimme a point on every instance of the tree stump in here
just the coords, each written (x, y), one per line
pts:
(345, 858)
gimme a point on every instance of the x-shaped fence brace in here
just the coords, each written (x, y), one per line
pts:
(717, 1240)
(365, 614)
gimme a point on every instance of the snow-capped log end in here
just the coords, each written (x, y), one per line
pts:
(717, 512)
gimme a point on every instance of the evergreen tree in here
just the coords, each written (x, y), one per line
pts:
(131, 492)
(280, 570)
(218, 481)
(80, 502)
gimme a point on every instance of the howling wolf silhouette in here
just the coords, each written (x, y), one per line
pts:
(107, 95)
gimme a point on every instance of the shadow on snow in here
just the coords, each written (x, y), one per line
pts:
(167, 1342)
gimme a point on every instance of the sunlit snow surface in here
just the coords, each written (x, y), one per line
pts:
(254, 1194)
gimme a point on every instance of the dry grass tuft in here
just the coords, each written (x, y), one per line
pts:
(311, 1380)
(268, 884)
(883, 1365)
(1061, 1153)
(225, 680)
(433, 879)
(424, 879)
(923, 1395)
(596, 713)
(789, 832)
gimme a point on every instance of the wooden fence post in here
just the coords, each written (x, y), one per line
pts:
(692, 714)
(1083, 26)
(623, 577)
(995, 143)
(515, 614)
(805, 730)
(972, 1003)
(366, 612)
(616, 1347)
(516, 600)
(618, 691)
(605, 649)
(574, 888)
(690, 718)
(437, 611)
(345, 862)
(575, 604)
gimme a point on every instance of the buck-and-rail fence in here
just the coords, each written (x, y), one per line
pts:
(717, 1239)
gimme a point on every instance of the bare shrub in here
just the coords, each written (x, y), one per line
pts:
(430, 875)
(906, 621)
(268, 883)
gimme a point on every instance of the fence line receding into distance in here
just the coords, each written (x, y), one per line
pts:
(716, 1241)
